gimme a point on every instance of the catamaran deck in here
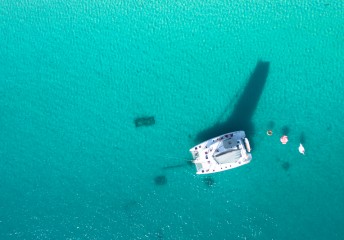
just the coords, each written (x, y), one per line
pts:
(222, 153)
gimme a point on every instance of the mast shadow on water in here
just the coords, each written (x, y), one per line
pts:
(241, 117)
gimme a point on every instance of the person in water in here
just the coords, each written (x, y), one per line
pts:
(284, 139)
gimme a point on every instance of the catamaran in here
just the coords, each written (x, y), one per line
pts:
(222, 153)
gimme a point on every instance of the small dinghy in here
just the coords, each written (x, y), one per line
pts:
(301, 149)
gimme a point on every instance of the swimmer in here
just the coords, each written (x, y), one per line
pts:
(284, 139)
(269, 132)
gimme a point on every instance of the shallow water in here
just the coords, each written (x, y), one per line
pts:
(75, 76)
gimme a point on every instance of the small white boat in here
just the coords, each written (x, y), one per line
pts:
(222, 153)
(301, 149)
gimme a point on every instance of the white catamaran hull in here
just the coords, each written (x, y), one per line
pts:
(222, 153)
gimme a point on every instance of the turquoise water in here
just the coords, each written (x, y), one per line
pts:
(75, 74)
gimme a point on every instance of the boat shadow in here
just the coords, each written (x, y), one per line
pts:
(241, 117)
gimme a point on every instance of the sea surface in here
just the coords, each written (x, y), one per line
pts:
(74, 76)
